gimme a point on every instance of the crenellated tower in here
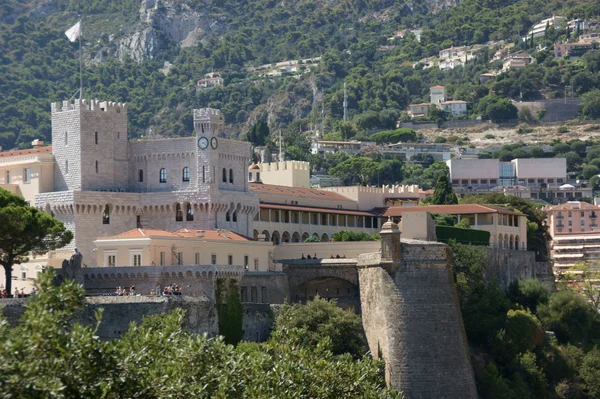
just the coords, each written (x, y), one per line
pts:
(207, 124)
(89, 143)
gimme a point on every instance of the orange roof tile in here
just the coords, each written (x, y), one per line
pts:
(29, 151)
(450, 209)
(209, 235)
(212, 235)
(296, 192)
(316, 209)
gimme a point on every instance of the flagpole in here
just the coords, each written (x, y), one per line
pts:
(80, 61)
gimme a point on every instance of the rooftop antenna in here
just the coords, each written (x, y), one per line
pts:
(345, 104)
(280, 153)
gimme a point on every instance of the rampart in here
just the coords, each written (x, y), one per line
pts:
(412, 320)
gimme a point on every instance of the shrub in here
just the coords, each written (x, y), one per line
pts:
(462, 236)
(563, 129)
(490, 136)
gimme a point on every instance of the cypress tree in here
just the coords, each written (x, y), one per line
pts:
(443, 194)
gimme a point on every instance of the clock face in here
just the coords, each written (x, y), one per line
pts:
(214, 143)
(203, 143)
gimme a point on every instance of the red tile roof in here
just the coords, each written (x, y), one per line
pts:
(315, 209)
(460, 209)
(15, 153)
(209, 235)
(573, 206)
(295, 192)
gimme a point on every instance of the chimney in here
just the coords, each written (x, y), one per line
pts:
(200, 233)
(36, 143)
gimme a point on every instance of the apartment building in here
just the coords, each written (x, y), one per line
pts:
(575, 233)
(530, 178)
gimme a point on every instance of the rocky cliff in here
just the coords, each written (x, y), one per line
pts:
(164, 24)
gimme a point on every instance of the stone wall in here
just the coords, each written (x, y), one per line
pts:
(119, 312)
(556, 109)
(506, 266)
(274, 284)
(412, 320)
(258, 321)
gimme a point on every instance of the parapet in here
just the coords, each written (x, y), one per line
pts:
(93, 105)
(207, 115)
(285, 165)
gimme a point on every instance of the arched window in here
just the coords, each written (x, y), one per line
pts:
(189, 213)
(96, 137)
(178, 213)
(224, 175)
(203, 174)
(96, 166)
(230, 175)
(186, 174)
(67, 167)
(163, 175)
(227, 217)
(106, 215)
(66, 138)
(140, 175)
(235, 216)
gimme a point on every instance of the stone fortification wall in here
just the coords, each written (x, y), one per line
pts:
(258, 321)
(196, 280)
(412, 319)
(506, 266)
(150, 156)
(119, 312)
(275, 284)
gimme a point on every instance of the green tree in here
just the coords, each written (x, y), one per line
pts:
(365, 169)
(259, 133)
(319, 320)
(590, 373)
(591, 104)
(345, 235)
(26, 230)
(231, 312)
(443, 194)
(497, 109)
(590, 171)
(528, 293)
(570, 316)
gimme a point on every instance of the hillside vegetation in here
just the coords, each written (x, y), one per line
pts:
(40, 65)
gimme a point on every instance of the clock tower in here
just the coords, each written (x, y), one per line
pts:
(207, 123)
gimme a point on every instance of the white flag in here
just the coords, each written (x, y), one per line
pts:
(74, 31)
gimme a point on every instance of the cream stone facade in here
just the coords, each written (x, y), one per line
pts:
(27, 173)
(287, 173)
(508, 229)
(153, 247)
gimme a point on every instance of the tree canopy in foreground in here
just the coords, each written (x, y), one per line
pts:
(49, 356)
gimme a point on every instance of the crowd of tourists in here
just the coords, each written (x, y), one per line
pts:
(18, 294)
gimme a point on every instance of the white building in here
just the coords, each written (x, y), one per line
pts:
(539, 29)
(457, 108)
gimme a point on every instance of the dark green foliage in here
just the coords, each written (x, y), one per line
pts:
(590, 373)
(591, 104)
(48, 355)
(345, 235)
(259, 133)
(528, 293)
(443, 194)
(231, 312)
(403, 135)
(462, 235)
(572, 318)
(322, 320)
(497, 109)
(24, 230)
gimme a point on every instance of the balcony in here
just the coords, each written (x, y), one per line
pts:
(593, 216)
(559, 216)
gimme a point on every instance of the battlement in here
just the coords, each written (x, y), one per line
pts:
(207, 115)
(391, 189)
(285, 165)
(89, 105)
